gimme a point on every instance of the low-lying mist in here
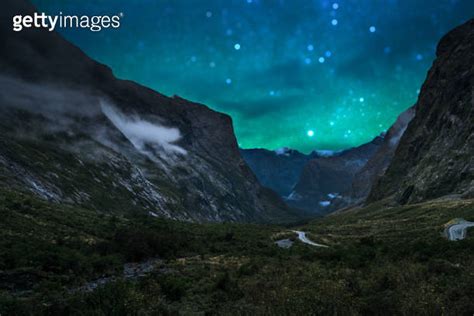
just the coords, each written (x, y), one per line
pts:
(53, 101)
(142, 133)
(81, 112)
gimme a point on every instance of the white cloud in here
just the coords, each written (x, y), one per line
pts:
(142, 133)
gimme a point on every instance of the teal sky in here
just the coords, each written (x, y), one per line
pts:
(302, 74)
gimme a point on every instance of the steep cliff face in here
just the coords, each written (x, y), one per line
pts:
(435, 156)
(378, 163)
(325, 182)
(71, 132)
(278, 170)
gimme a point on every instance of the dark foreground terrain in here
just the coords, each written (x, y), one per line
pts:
(63, 260)
(98, 219)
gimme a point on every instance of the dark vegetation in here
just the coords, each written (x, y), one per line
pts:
(380, 261)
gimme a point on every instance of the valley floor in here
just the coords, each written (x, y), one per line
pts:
(380, 260)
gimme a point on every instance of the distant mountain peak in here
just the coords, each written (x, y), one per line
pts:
(283, 151)
(326, 152)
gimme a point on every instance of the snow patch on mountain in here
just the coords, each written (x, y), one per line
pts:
(327, 153)
(284, 151)
(293, 196)
(333, 195)
(325, 203)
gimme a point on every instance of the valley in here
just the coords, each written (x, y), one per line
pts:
(118, 200)
(395, 256)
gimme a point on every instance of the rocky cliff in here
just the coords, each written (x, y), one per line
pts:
(325, 182)
(72, 133)
(435, 157)
(378, 163)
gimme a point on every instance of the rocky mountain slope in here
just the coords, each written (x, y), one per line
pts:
(279, 169)
(435, 157)
(72, 133)
(325, 182)
(427, 153)
(378, 163)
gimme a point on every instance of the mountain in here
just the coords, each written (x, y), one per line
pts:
(70, 132)
(325, 182)
(435, 157)
(378, 163)
(278, 170)
(426, 154)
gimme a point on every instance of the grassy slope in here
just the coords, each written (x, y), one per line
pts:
(381, 261)
(396, 224)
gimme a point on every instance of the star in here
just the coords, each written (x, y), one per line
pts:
(289, 64)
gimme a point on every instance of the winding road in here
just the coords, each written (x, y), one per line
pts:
(302, 237)
(458, 231)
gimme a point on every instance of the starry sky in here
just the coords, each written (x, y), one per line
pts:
(305, 74)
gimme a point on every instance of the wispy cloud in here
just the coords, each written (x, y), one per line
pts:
(143, 134)
(50, 100)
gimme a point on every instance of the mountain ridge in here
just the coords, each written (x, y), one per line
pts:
(325, 182)
(435, 154)
(190, 170)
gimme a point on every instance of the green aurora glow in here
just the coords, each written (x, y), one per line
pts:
(343, 69)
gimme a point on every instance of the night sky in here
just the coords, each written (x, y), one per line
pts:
(302, 74)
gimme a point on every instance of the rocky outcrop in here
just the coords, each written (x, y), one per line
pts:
(435, 155)
(72, 133)
(278, 169)
(325, 182)
(376, 166)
